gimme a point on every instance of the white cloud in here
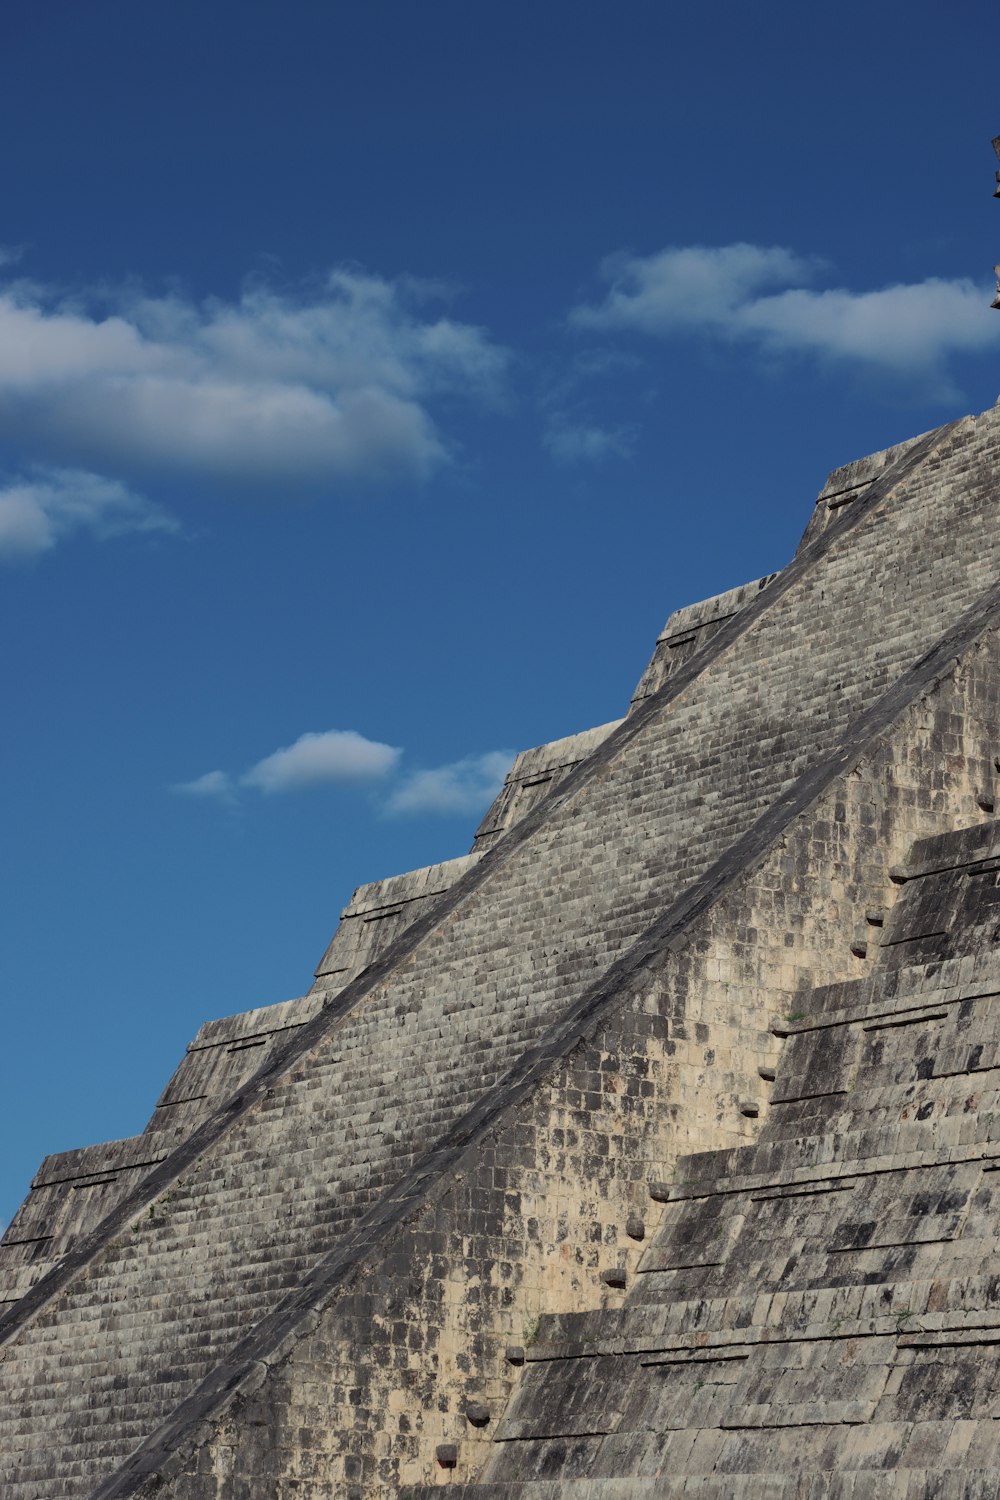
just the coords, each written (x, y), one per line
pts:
(330, 384)
(572, 442)
(214, 784)
(897, 326)
(465, 786)
(342, 756)
(760, 294)
(317, 759)
(695, 286)
(38, 510)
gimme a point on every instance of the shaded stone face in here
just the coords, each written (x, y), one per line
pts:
(836, 1281)
(627, 1149)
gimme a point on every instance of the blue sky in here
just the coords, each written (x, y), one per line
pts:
(374, 380)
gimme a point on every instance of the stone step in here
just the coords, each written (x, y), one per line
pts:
(676, 794)
(932, 1304)
(912, 1483)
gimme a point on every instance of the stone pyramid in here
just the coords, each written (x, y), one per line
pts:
(646, 1149)
(818, 1314)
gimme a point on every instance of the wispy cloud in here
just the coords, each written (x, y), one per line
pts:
(342, 757)
(571, 442)
(329, 383)
(464, 786)
(215, 785)
(46, 505)
(331, 757)
(696, 286)
(765, 295)
(578, 399)
(337, 755)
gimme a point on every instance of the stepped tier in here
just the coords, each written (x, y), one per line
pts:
(826, 1303)
(401, 1231)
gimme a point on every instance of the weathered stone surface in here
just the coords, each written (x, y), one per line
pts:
(849, 483)
(705, 929)
(379, 913)
(534, 775)
(689, 629)
(837, 1281)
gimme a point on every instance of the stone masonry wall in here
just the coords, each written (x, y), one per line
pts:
(263, 1193)
(819, 1314)
(689, 629)
(849, 483)
(556, 1195)
(70, 1194)
(73, 1190)
(535, 774)
(377, 914)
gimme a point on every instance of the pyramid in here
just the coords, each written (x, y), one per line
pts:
(645, 1149)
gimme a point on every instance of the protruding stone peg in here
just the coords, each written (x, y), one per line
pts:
(447, 1455)
(750, 1108)
(635, 1227)
(860, 947)
(514, 1354)
(659, 1191)
(614, 1277)
(477, 1413)
(986, 801)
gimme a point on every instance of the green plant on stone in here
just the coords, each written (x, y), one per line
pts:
(531, 1331)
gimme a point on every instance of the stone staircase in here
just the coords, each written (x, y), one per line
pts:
(818, 1314)
(205, 1255)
